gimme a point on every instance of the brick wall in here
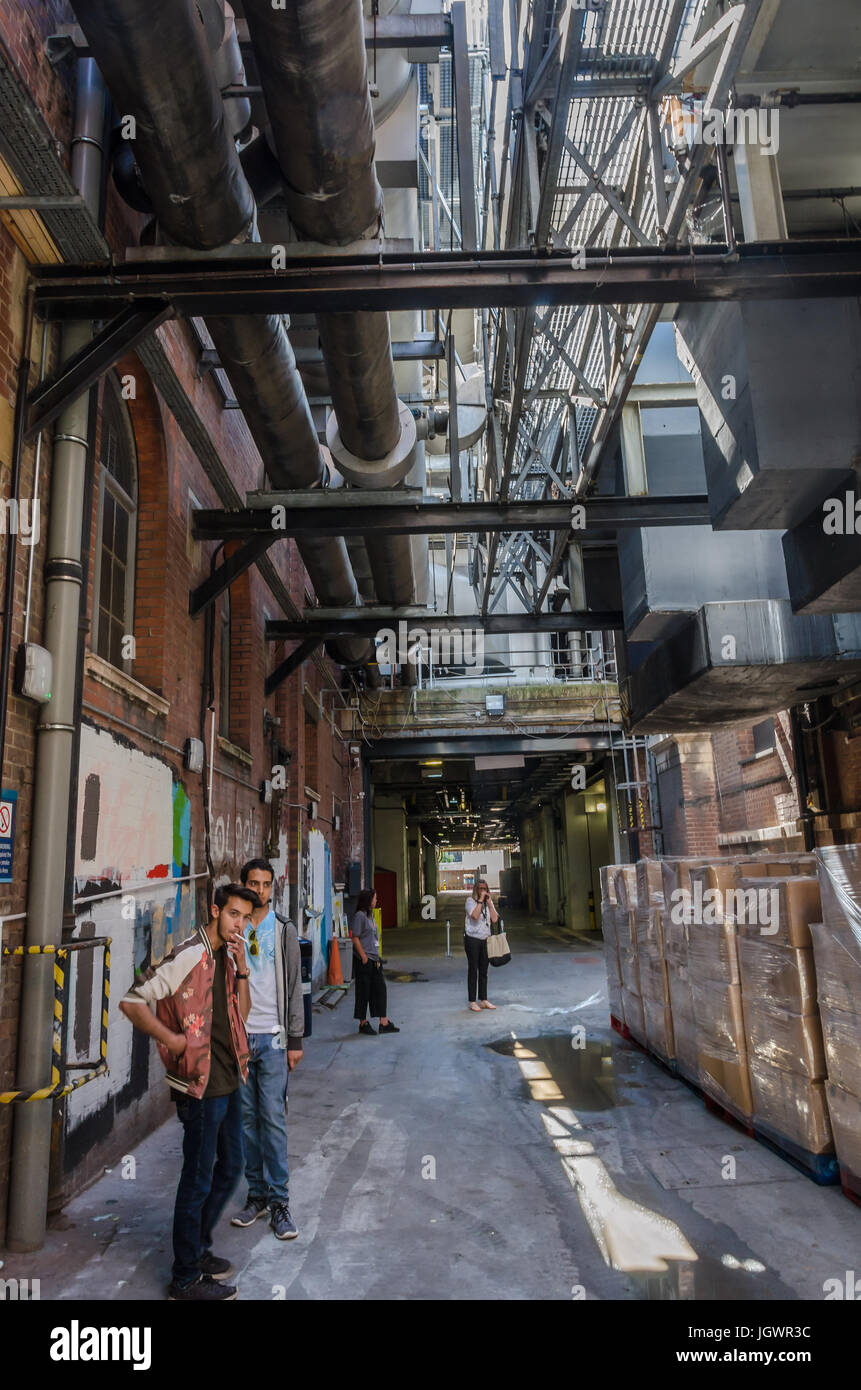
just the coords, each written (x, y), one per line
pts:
(146, 825)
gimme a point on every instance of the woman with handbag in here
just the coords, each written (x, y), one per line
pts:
(480, 914)
(368, 968)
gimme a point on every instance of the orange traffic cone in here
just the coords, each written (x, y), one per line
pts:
(335, 977)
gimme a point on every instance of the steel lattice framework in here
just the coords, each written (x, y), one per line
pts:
(586, 165)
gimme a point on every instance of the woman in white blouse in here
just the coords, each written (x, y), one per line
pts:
(480, 913)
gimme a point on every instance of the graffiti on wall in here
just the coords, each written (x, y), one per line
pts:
(133, 841)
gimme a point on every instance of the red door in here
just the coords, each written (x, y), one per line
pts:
(386, 889)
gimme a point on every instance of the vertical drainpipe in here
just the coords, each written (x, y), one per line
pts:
(31, 1139)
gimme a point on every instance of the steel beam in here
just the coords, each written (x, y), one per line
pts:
(463, 126)
(368, 622)
(331, 514)
(85, 368)
(235, 565)
(627, 275)
(291, 663)
(479, 742)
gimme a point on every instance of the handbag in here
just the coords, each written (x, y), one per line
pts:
(498, 951)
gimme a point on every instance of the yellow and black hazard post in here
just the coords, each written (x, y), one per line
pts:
(58, 1085)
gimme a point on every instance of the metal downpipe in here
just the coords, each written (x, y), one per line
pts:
(193, 175)
(31, 1137)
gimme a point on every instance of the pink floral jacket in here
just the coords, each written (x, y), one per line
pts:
(181, 989)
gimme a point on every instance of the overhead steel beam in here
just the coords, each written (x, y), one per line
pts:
(331, 513)
(235, 565)
(477, 741)
(323, 623)
(463, 126)
(629, 275)
(86, 367)
(290, 664)
(421, 31)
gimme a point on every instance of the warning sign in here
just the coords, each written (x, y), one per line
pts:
(7, 834)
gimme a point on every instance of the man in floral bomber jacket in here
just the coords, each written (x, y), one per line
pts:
(201, 997)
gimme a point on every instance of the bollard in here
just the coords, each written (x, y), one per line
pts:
(447, 937)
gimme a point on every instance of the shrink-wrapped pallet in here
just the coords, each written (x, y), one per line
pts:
(845, 1110)
(781, 1012)
(778, 910)
(837, 951)
(625, 881)
(650, 883)
(654, 984)
(789, 1106)
(722, 1058)
(634, 1016)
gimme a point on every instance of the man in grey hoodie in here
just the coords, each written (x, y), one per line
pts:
(275, 1028)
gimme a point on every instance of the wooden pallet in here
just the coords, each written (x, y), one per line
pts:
(822, 1168)
(851, 1185)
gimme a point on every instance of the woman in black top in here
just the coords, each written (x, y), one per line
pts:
(368, 968)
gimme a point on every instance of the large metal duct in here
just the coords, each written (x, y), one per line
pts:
(194, 178)
(312, 66)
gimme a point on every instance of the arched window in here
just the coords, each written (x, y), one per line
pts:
(117, 527)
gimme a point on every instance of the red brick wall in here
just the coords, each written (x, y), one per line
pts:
(169, 644)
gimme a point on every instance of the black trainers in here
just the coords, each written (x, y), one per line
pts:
(202, 1290)
(215, 1266)
(367, 1029)
(282, 1222)
(255, 1207)
(389, 1027)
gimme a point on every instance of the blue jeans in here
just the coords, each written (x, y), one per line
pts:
(264, 1119)
(211, 1165)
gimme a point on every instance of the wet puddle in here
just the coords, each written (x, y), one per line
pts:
(708, 1278)
(553, 1070)
(405, 977)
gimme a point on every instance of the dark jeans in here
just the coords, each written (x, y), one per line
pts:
(476, 970)
(264, 1119)
(211, 1167)
(370, 989)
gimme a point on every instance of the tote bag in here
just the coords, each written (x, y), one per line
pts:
(498, 952)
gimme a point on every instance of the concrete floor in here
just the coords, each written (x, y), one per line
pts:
(479, 1156)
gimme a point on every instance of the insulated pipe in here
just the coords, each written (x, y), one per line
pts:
(202, 198)
(313, 68)
(31, 1137)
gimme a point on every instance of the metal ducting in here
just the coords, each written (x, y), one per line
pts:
(312, 65)
(736, 663)
(202, 198)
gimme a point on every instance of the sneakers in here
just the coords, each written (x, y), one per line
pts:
(389, 1027)
(255, 1207)
(367, 1029)
(202, 1290)
(215, 1266)
(282, 1223)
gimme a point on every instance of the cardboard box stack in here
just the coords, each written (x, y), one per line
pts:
(609, 910)
(722, 1057)
(629, 963)
(781, 1013)
(654, 985)
(675, 923)
(837, 951)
